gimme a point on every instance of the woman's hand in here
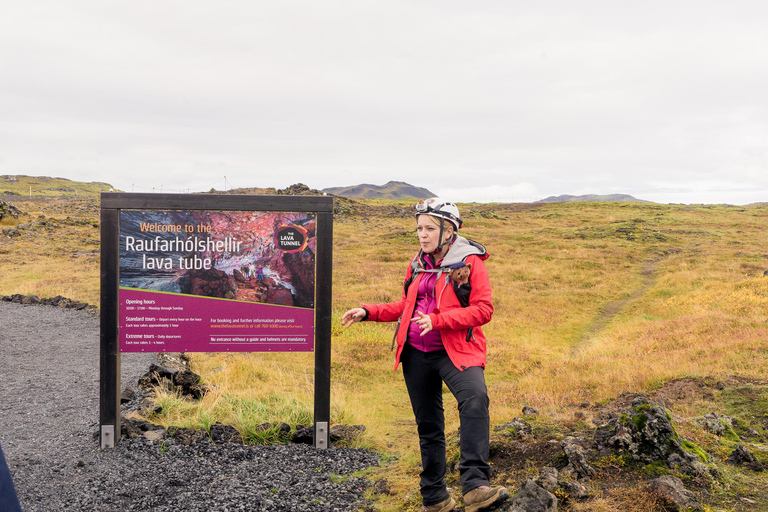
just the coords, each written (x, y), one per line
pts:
(423, 321)
(352, 316)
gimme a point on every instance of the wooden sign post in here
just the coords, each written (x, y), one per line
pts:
(157, 248)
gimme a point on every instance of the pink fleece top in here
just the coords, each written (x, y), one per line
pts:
(426, 303)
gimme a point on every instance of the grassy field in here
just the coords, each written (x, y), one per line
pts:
(591, 300)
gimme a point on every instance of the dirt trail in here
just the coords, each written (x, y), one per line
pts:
(613, 308)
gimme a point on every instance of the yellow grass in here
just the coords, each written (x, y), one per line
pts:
(591, 300)
(57, 253)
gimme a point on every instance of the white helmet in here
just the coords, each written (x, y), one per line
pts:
(436, 207)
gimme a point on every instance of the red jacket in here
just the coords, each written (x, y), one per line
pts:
(452, 320)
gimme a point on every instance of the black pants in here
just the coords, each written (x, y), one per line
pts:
(424, 374)
(8, 500)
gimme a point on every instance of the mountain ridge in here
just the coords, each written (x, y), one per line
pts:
(565, 198)
(390, 190)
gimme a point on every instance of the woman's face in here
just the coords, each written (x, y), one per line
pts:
(428, 231)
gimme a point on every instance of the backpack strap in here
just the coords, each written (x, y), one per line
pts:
(462, 291)
(417, 269)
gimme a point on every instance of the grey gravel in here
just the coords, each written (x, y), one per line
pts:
(49, 409)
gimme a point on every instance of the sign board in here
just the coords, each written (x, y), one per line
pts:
(216, 281)
(214, 273)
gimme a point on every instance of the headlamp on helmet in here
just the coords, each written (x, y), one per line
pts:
(436, 207)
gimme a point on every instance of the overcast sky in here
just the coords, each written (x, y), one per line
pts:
(476, 101)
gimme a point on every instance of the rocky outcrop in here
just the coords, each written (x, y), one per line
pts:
(741, 456)
(518, 427)
(531, 497)
(673, 494)
(227, 434)
(548, 479)
(133, 427)
(186, 436)
(10, 232)
(298, 189)
(283, 429)
(128, 395)
(552, 480)
(718, 425)
(303, 435)
(57, 301)
(577, 459)
(222, 434)
(337, 433)
(645, 431)
(689, 464)
(8, 210)
(185, 382)
(544, 493)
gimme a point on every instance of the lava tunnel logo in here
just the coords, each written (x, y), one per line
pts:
(290, 238)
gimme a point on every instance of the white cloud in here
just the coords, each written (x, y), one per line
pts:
(519, 193)
(521, 101)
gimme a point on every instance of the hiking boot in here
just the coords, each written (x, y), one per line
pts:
(485, 498)
(443, 506)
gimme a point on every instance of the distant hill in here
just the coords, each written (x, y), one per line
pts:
(20, 185)
(391, 190)
(592, 197)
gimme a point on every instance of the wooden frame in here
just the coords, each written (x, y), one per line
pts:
(113, 202)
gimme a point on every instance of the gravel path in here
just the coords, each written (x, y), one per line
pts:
(49, 410)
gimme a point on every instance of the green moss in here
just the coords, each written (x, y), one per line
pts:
(639, 420)
(729, 433)
(656, 469)
(695, 449)
(643, 407)
(610, 461)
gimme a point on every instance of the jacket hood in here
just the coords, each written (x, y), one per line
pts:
(460, 249)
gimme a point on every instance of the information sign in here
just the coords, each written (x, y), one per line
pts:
(206, 281)
(214, 273)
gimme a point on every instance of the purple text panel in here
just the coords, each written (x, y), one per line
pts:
(152, 321)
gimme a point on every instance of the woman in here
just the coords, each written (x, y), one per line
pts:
(439, 341)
